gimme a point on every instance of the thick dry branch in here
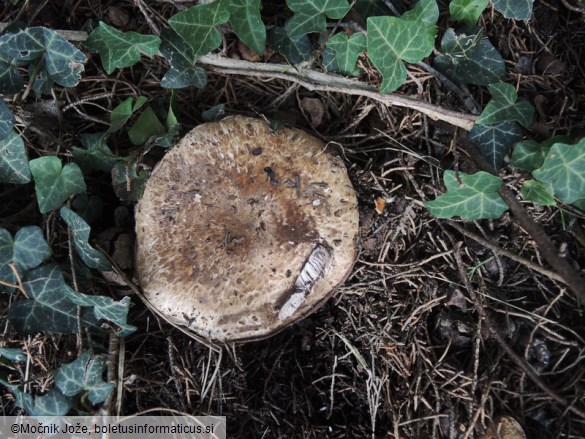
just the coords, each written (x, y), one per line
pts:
(318, 81)
(312, 80)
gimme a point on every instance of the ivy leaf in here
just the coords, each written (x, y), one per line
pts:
(54, 183)
(247, 23)
(182, 71)
(89, 207)
(53, 403)
(14, 166)
(409, 38)
(6, 120)
(12, 354)
(80, 231)
(128, 181)
(529, 154)
(469, 59)
(60, 60)
(213, 114)
(295, 49)
(516, 9)
(310, 15)
(347, 50)
(123, 112)
(476, 198)
(369, 8)
(48, 308)
(562, 171)
(84, 373)
(54, 306)
(198, 26)
(26, 251)
(503, 107)
(495, 141)
(11, 80)
(535, 191)
(467, 11)
(95, 154)
(120, 49)
(146, 126)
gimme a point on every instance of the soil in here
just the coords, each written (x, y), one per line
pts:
(400, 351)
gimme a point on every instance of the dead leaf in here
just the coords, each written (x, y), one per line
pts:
(315, 109)
(247, 53)
(506, 427)
(380, 204)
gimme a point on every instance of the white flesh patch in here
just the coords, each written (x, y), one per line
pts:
(317, 264)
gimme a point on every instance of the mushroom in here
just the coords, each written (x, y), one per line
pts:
(242, 230)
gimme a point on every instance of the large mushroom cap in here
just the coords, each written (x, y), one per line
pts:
(242, 230)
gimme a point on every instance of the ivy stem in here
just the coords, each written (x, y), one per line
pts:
(569, 275)
(32, 78)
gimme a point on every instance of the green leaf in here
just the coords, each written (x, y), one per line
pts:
(247, 23)
(517, 9)
(128, 181)
(59, 59)
(503, 107)
(80, 231)
(495, 141)
(215, 113)
(88, 207)
(467, 11)
(6, 258)
(469, 59)
(48, 308)
(6, 120)
(13, 354)
(409, 38)
(54, 306)
(534, 191)
(123, 112)
(146, 126)
(295, 49)
(310, 15)
(477, 197)
(11, 80)
(369, 8)
(198, 26)
(347, 50)
(121, 49)
(14, 167)
(95, 154)
(30, 249)
(53, 403)
(85, 373)
(54, 183)
(563, 171)
(182, 71)
(529, 154)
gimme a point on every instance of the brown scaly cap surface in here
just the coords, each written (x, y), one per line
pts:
(242, 231)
